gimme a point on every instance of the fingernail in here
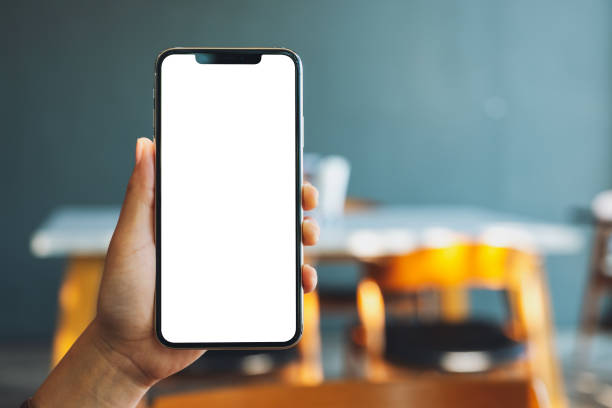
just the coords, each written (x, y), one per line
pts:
(138, 150)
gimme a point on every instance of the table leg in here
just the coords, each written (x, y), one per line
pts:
(454, 303)
(537, 316)
(78, 296)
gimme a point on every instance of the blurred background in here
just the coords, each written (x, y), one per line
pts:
(469, 112)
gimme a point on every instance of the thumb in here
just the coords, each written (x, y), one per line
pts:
(135, 227)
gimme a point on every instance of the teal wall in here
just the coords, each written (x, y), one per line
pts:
(503, 104)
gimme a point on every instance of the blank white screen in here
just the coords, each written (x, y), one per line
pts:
(228, 204)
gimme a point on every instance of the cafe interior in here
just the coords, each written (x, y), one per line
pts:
(463, 156)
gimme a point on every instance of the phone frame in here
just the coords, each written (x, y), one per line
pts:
(299, 138)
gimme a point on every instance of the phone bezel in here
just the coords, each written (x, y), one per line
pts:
(298, 198)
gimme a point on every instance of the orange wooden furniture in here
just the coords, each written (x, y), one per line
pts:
(450, 271)
(457, 393)
(78, 297)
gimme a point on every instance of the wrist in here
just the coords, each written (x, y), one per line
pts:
(92, 374)
(131, 373)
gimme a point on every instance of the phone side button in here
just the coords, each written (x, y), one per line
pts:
(302, 133)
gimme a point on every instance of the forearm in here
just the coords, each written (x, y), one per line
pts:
(92, 375)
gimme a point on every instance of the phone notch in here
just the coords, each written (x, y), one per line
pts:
(224, 58)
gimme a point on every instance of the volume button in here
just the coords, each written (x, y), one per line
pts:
(302, 133)
(153, 98)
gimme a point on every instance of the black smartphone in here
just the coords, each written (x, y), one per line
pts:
(228, 129)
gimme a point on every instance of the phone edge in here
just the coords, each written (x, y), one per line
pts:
(299, 212)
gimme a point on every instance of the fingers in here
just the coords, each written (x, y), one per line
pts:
(136, 219)
(310, 228)
(310, 197)
(310, 231)
(309, 278)
(310, 234)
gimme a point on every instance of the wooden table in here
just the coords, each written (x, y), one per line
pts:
(82, 234)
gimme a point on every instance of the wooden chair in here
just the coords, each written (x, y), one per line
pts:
(599, 281)
(457, 393)
(451, 271)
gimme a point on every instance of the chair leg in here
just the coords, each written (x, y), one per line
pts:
(515, 325)
(590, 305)
(454, 303)
(536, 317)
(588, 325)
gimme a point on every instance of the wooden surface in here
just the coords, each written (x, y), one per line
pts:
(355, 394)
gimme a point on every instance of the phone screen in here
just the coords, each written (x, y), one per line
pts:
(228, 199)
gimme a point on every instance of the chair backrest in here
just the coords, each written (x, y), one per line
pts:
(602, 206)
(461, 264)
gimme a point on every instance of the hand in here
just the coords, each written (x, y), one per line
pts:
(123, 331)
(126, 303)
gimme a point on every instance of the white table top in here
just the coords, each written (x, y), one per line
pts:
(385, 230)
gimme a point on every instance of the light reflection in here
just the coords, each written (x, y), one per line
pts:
(507, 235)
(440, 237)
(465, 362)
(371, 243)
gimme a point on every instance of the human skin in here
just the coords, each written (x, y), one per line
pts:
(118, 357)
